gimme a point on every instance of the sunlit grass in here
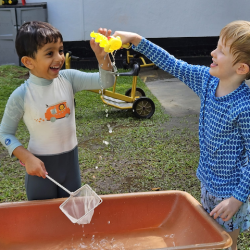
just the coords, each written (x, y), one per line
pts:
(141, 154)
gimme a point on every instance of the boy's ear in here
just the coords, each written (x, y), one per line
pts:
(27, 62)
(243, 69)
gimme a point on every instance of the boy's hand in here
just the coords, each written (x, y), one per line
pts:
(101, 56)
(226, 209)
(35, 166)
(99, 52)
(128, 37)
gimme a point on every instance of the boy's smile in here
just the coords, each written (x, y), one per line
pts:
(222, 66)
(231, 74)
(48, 61)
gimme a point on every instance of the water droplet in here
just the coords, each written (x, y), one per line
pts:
(96, 167)
(120, 55)
(106, 142)
(107, 115)
(108, 222)
(171, 235)
(82, 245)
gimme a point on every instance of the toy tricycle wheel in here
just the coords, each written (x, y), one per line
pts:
(138, 92)
(143, 107)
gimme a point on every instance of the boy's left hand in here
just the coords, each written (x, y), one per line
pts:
(226, 209)
(99, 52)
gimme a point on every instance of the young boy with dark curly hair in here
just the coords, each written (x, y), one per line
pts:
(46, 103)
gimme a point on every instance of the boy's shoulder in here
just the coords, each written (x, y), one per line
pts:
(19, 91)
(241, 102)
(17, 97)
(244, 93)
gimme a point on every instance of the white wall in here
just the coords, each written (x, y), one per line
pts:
(152, 19)
(67, 16)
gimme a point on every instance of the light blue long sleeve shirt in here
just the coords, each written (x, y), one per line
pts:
(224, 125)
(32, 101)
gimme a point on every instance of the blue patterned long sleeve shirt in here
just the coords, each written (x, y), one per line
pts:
(224, 125)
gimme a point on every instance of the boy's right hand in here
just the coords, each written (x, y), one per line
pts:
(128, 37)
(35, 166)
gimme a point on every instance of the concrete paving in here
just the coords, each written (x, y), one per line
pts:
(178, 100)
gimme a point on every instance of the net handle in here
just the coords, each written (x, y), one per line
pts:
(65, 189)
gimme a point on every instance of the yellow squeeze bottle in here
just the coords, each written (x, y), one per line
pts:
(108, 43)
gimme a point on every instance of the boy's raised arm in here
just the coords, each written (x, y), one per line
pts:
(89, 81)
(128, 37)
(101, 56)
(191, 75)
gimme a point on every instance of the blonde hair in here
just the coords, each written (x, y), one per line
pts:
(238, 32)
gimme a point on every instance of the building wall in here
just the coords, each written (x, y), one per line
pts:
(152, 19)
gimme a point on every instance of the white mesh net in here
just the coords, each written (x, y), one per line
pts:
(79, 207)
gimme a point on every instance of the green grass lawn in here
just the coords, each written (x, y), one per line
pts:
(141, 154)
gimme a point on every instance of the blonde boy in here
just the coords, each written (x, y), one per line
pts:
(224, 123)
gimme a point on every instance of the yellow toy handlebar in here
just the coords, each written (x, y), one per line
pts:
(109, 43)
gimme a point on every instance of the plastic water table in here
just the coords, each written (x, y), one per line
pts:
(137, 221)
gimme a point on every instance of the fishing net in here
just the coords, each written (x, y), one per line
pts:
(79, 207)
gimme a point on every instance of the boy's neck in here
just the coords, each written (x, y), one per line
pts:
(38, 80)
(226, 87)
(34, 74)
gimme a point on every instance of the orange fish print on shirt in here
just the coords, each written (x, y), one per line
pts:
(57, 111)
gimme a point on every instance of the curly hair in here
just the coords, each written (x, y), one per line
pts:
(34, 35)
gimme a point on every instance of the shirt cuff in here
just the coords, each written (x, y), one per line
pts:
(140, 45)
(107, 78)
(241, 197)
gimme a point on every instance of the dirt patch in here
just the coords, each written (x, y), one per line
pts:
(25, 76)
(10, 71)
(183, 124)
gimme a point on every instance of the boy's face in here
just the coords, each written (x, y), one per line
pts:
(48, 61)
(222, 66)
